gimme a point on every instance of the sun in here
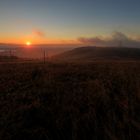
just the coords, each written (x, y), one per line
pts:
(28, 43)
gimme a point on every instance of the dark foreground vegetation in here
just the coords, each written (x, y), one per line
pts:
(92, 101)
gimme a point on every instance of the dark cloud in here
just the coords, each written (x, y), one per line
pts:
(115, 39)
(38, 33)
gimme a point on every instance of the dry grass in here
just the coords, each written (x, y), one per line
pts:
(98, 100)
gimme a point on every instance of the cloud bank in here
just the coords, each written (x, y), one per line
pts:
(115, 39)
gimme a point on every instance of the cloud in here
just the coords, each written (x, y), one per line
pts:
(38, 33)
(93, 40)
(119, 36)
(115, 39)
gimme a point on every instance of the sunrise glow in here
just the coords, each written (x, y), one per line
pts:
(28, 43)
(26, 23)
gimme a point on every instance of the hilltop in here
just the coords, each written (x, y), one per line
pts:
(99, 53)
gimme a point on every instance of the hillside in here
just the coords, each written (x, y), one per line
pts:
(99, 53)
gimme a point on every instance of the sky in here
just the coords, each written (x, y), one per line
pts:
(68, 21)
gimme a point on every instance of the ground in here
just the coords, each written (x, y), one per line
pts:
(70, 101)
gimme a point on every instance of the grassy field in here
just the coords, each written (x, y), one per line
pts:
(70, 101)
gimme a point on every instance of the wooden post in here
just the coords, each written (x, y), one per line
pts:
(44, 56)
(120, 43)
(10, 53)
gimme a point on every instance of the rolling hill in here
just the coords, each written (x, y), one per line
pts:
(99, 53)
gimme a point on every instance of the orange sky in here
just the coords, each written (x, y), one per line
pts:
(36, 40)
